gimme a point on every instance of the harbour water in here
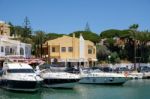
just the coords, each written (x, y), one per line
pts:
(134, 89)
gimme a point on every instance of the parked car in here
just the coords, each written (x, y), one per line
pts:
(144, 69)
(104, 69)
(121, 69)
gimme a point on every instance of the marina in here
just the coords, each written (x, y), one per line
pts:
(21, 77)
(47, 53)
(134, 89)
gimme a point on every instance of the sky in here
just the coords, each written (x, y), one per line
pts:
(67, 16)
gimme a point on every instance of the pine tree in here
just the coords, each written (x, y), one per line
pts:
(134, 27)
(87, 27)
(27, 29)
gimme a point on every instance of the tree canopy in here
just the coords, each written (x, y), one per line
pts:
(115, 33)
(87, 35)
(50, 36)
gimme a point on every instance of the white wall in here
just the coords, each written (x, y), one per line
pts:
(81, 47)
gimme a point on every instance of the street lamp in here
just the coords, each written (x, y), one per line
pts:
(109, 58)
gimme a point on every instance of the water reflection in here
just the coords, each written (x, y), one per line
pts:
(134, 89)
(95, 91)
(5, 94)
(60, 94)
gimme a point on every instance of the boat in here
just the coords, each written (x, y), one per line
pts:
(135, 75)
(145, 71)
(131, 74)
(90, 76)
(59, 79)
(19, 77)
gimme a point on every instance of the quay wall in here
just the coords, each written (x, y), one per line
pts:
(129, 65)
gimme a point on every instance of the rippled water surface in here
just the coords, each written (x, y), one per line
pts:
(134, 89)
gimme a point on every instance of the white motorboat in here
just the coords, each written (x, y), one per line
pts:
(19, 77)
(99, 77)
(140, 75)
(135, 75)
(59, 79)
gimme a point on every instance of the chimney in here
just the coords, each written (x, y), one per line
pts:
(81, 37)
(73, 35)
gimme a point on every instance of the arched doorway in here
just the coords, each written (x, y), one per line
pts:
(21, 51)
(90, 62)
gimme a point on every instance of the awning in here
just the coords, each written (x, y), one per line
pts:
(77, 60)
(70, 60)
(92, 59)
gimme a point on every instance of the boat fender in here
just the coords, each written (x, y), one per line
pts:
(126, 74)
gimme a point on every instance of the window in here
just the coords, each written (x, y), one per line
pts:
(63, 49)
(53, 49)
(93, 50)
(21, 51)
(11, 50)
(20, 71)
(2, 49)
(70, 49)
(89, 51)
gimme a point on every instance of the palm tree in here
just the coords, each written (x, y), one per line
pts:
(134, 26)
(39, 40)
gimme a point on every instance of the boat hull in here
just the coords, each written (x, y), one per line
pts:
(20, 85)
(103, 80)
(60, 83)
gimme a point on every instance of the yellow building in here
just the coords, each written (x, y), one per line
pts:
(4, 29)
(71, 51)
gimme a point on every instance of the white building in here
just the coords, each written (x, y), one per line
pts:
(9, 47)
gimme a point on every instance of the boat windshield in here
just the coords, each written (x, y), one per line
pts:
(20, 71)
